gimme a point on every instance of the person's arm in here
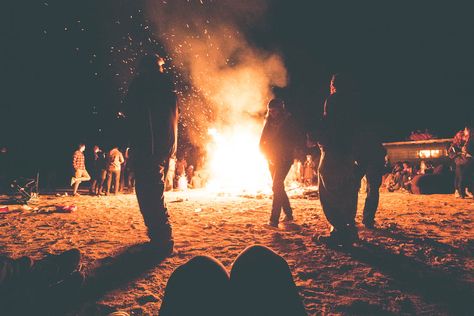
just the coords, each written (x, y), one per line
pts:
(264, 139)
(75, 159)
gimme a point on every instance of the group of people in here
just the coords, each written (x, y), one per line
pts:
(260, 282)
(348, 153)
(427, 177)
(111, 170)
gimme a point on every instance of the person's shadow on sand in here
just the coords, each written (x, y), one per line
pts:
(117, 271)
(412, 275)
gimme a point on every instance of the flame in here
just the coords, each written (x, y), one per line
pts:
(235, 163)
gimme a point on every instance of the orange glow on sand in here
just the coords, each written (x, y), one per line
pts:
(235, 163)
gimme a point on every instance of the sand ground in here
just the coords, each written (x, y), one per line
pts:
(418, 260)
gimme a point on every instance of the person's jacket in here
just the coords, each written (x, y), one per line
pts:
(339, 123)
(279, 138)
(152, 114)
(115, 160)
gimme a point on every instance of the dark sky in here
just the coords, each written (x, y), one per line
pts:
(65, 69)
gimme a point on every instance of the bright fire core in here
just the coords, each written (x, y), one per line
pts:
(235, 163)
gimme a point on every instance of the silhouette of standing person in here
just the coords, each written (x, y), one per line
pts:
(277, 143)
(153, 117)
(337, 178)
(370, 157)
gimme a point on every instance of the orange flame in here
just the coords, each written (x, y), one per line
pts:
(235, 163)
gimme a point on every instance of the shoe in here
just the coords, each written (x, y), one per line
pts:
(342, 238)
(73, 180)
(469, 194)
(288, 219)
(76, 194)
(273, 224)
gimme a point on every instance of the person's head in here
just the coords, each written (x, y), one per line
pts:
(467, 131)
(96, 149)
(341, 83)
(81, 147)
(309, 158)
(276, 107)
(406, 165)
(151, 62)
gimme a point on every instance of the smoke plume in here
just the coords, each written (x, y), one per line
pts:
(231, 80)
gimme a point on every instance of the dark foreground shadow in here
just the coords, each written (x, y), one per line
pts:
(434, 285)
(402, 236)
(109, 274)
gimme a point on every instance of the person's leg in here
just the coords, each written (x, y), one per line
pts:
(198, 287)
(117, 181)
(470, 178)
(374, 180)
(109, 181)
(338, 193)
(276, 202)
(84, 175)
(281, 173)
(103, 177)
(77, 182)
(460, 168)
(149, 187)
(262, 284)
(93, 186)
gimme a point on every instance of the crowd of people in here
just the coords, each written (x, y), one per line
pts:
(444, 176)
(260, 281)
(110, 172)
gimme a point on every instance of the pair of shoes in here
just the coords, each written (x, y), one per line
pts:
(73, 180)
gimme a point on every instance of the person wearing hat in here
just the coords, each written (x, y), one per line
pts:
(277, 143)
(152, 114)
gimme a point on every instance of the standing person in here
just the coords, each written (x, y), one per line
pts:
(129, 172)
(278, 142)
(370, 158)
(153, 118)
(5, 166)
(461, 151)
(336, 173)
(180, 170)
(114, 163)
(80, 172)
(308, 171)
(96, 168)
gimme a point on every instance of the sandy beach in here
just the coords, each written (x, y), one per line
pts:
(418, 260)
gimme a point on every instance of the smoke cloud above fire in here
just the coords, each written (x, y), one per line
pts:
(231, 79)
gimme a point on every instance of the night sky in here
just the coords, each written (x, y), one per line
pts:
(66, 66)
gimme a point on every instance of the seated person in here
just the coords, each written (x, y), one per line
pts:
(440, 181)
